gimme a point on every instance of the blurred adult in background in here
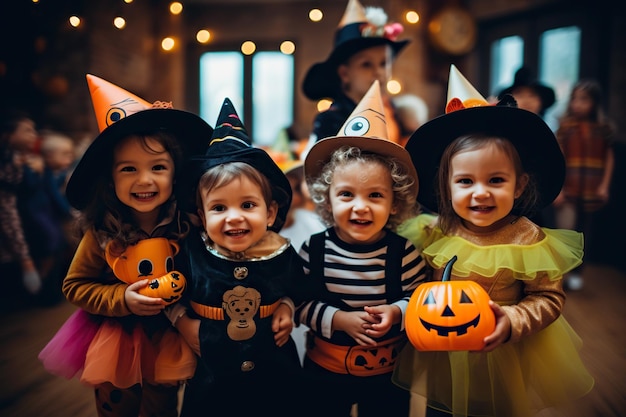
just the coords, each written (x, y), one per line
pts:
(365, 47)
(59, 154)
(18, 139)
(529, 93)
(586, 138)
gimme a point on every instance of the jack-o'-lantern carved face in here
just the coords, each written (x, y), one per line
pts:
(449, 315)
(168, 287)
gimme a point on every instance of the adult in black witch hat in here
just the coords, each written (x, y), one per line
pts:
(244, 279)
(529, 93)
(364, 48)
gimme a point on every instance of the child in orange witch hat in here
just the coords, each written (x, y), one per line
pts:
(363, 185)
(119, 342)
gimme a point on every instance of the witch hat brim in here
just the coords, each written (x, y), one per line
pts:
(370, 136)
(190, 130)
(230, 143)
(538, 149)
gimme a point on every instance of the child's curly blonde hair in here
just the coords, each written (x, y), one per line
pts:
(404, 199)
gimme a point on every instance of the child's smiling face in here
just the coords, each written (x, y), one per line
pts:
(143, 174)
(235, 215)
(483, 186)
(361, 200)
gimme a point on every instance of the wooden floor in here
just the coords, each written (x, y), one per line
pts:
(597, 313)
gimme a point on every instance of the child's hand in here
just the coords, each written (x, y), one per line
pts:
(502, 333)
(282, 324)
(189, 329)
(355, 324)
(142, 305)
(384, 317)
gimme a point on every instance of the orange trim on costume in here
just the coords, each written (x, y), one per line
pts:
(343, 359)
(217, 313)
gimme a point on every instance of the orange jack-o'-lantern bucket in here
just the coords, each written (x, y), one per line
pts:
(149, 258)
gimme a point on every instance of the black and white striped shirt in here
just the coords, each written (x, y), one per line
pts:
(354, 277)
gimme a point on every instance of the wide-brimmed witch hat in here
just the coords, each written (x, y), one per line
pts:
(467, 112)
(119, 114)
(524, 78)
(359, 29)
(230, 143)
(366, 129)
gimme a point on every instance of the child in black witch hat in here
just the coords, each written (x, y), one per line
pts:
(243, 281)
(483, 169)
(364, 49)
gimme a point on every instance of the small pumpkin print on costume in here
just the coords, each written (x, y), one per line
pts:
(241, 304)
(449, 315)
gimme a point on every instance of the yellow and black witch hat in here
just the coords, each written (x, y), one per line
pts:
(230, 143)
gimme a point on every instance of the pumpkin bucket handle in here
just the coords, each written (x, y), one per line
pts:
(447, 271)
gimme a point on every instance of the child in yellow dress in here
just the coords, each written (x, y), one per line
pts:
(493, 165)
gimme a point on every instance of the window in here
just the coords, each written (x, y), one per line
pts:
(558, 62)
(559, 65)
(268, 107)
(507, 55)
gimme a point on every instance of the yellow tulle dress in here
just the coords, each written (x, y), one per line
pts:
(521, 267)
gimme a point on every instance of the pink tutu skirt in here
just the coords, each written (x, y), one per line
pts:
(125, 357)
(65, 353)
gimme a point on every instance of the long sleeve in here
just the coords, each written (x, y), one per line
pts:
(87, 284)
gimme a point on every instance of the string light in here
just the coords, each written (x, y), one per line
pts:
(287, 47)
(74, 21)
(176, 8)
(248, 48)
(119, 22)
(412, 17)
(316, 15)
(167, 44)
(394, 86)
(323, 105)
(203, 36)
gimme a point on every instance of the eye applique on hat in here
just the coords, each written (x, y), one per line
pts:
(119, 114)
(366, 129)
(112, 103)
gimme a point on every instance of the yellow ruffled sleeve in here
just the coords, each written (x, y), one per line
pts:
(557, 253)
(418, 229)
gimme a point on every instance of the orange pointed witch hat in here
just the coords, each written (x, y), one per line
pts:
(120, 114)
(366, 129)
(467, 112)
(112, 103)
